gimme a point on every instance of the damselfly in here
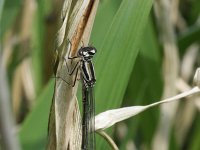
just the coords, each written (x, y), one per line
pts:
(87, 74)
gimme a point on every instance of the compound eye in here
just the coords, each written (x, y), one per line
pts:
(92, 52)
(80, 53)
(85, 54)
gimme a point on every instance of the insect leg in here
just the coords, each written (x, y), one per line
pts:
(74, 82)
(73, 69)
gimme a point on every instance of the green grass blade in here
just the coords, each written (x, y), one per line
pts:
(102, 21)
(118, 52)
(33, 134)
(37, 53)
(1, 7)
(116, 58)
(144, 87)
(191, 35)
(194, 135)
(8, 14)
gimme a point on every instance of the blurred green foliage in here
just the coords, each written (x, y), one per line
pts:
(128, 67)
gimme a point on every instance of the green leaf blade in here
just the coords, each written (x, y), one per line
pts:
(117, 55)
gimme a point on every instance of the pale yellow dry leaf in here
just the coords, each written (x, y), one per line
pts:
(108, 118)
(197, 77)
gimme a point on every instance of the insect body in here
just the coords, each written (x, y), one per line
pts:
(88, 81)
(87, 74)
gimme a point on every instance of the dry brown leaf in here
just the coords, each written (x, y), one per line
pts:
(64, 124)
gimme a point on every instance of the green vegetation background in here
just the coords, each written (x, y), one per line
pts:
(128, 67)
